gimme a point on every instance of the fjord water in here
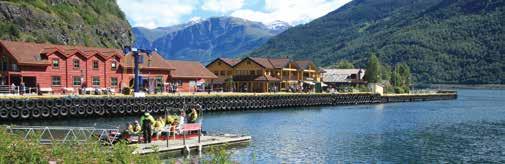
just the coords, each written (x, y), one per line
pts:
(469, 129)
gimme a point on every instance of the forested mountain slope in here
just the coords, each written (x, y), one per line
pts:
(97, 23)
(443, 41)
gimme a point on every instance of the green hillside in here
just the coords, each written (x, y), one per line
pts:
(443, 41)
(75, 22)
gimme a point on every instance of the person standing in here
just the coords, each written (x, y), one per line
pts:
(146, 122)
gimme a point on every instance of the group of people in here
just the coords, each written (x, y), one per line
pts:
(171, 124)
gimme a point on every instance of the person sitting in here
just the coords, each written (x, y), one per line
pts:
(158, 128)
(134, 129)
(193, 116)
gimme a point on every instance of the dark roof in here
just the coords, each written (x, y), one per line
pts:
(229, 61)
(26, 53)
(264, 62)
(304, 63)
(279, 62)
(153, 61)
(190, 69)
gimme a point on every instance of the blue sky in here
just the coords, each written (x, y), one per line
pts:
(160, 13)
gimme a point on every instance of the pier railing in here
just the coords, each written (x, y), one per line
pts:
(54, 134)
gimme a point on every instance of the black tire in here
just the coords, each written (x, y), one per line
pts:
(149, 109)
(58, 103)
(93, 102)
(102, 102)
(89, 111)
(122, 110)
(100, 111)
(81, 111)
(64, 112)
(73, 110)
(76, 102)
(129, 109)
(36, 113)
(156, 109)
(49, 103)
(136, 109)
(20, 104)
(55, 112)
(30, 104)
(9, 104)
(14, 113)
(84, 102)
(109, 102)
(4, 113)
(25, 113)
(114, 110)
(39, 103)
(67, 102)
(45, 112)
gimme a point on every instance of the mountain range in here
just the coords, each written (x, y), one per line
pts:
(205, 40)
(443, 41)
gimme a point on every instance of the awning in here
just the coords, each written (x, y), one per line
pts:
(323, 84)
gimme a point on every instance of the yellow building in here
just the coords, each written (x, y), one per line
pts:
(253, 74)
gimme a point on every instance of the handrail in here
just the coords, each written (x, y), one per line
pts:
(63, 134)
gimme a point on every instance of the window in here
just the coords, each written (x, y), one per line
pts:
(113, 81)
(95, 64)
(259, 72)
(229, 73)
(113, 65)
(252, 72)
(56, 63)
(216, 73)
(77, 64)
(248, 62)
(77, 81)
(96, 80)
(56, 80)
(4, 62)
(223, 73)
(218, 63)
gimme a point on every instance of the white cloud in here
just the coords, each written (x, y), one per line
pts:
(156, 13)
(290, 11)
(222, 6)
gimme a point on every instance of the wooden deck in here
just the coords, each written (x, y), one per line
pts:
(192, 143)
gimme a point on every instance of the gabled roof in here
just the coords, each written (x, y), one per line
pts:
(228, 61)
(279, 62)
(264, 62)
(341, 75)
(190, 69)
(303, 64)
(26, 53)
(153, 61)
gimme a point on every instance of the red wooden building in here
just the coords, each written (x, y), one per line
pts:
(59, 68)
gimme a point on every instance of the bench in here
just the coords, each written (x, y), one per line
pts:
(190, 128)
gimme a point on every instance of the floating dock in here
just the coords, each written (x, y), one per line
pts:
(190, 143)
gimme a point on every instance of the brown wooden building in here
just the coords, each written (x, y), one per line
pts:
(253, 74)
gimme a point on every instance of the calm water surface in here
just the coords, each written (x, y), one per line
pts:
(470, 129)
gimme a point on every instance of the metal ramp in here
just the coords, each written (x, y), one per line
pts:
(61, 134)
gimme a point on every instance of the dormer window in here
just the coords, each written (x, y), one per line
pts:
(56, 63)
(95, 64)
(77, 64)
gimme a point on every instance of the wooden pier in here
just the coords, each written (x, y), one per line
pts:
(190, 144)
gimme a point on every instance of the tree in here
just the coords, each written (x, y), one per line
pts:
(372, 74)
(343, 64)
